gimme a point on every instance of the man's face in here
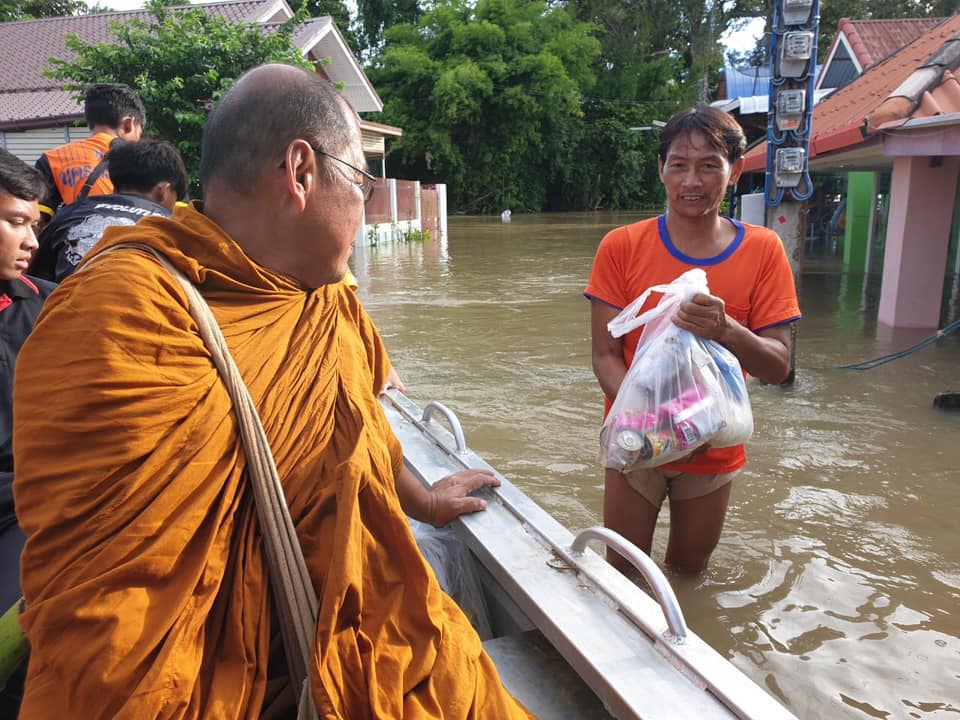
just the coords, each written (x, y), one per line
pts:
(695, 175)
(337, 214)
(18, 240)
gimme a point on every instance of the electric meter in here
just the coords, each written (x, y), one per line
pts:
(789, 166)
(790, 107)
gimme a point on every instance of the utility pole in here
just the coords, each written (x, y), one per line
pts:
(793, 64)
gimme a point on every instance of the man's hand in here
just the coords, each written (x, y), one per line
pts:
(703, 315)
(450, 496)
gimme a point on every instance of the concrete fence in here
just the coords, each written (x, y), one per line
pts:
(399, 208)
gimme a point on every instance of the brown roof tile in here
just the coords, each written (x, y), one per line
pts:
(26, 95)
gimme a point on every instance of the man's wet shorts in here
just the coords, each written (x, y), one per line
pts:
(655, 484)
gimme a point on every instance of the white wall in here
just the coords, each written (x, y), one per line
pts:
(29, 145)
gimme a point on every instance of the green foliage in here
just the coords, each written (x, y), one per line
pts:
(487, 95)
(179, 62)
(31, 9)
(375, 17)
(612, 160)
(675, 38)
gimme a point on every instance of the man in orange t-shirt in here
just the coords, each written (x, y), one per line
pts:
(752, 303)
(112, 111)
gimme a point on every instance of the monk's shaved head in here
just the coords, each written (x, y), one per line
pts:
(264, 111)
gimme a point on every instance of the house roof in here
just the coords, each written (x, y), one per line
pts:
(321, 38)
(28, 99)
(859, 44)
(915, 82)
(875, 40)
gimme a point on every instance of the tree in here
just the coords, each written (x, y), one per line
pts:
(488, 96)
(610, 161)
(31, 9)
(179, 62)
(650, 39)
(375, 17)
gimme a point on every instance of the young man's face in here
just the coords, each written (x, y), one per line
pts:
(696, 175)
(18, 240)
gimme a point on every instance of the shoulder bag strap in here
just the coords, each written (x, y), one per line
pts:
(99, 169)
(295, 597)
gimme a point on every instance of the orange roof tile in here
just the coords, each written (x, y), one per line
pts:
(874, 40)
(891, 91)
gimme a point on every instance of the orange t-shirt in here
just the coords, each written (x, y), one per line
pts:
(70, 165)
(752, 276)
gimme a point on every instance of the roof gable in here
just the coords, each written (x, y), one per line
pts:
(841, 70)
(860, 44)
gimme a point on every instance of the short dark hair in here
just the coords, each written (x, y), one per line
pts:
(718, 127)
(252, 124)
(139, 166)
(108, 103)
(19, 179)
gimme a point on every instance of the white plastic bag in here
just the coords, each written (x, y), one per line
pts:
(680, 391)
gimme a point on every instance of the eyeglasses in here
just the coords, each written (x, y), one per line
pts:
(364, 180)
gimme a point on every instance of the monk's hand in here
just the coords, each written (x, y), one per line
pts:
(450, 496)
(394, 381)
(703, 315)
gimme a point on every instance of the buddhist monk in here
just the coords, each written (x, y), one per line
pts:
(144, 574)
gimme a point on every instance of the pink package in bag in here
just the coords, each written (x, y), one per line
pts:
(679, 392)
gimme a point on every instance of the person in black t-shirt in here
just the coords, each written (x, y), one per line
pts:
(148, 178)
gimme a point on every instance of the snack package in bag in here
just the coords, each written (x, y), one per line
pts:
(679, 392)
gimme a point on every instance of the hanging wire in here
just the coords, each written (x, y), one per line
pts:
(876, 362)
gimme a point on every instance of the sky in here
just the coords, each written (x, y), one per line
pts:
(746, 38)
(741, 40)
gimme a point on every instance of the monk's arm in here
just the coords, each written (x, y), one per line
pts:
(448, 498)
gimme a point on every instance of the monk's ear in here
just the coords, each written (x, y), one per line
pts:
(300, 172)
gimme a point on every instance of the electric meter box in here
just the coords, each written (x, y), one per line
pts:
(789, 109)
(796, 12)
(789, 166)
(795, 51)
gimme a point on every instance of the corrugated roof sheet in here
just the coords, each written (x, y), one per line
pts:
(883, 93)
(746, 81)
(27, 44)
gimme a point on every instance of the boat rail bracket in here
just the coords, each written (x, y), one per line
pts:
(457, 429)
(677, 626)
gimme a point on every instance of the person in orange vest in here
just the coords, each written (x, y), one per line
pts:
(112, 111)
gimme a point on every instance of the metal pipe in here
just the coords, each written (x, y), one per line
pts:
(648, 568)
(451, 417)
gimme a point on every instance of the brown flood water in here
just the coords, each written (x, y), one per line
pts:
(837, 580)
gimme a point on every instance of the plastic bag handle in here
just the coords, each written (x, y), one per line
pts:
(684, 287)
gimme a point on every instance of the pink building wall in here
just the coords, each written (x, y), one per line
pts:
(922, 196)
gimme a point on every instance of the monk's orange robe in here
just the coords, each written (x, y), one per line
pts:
(144, 574)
